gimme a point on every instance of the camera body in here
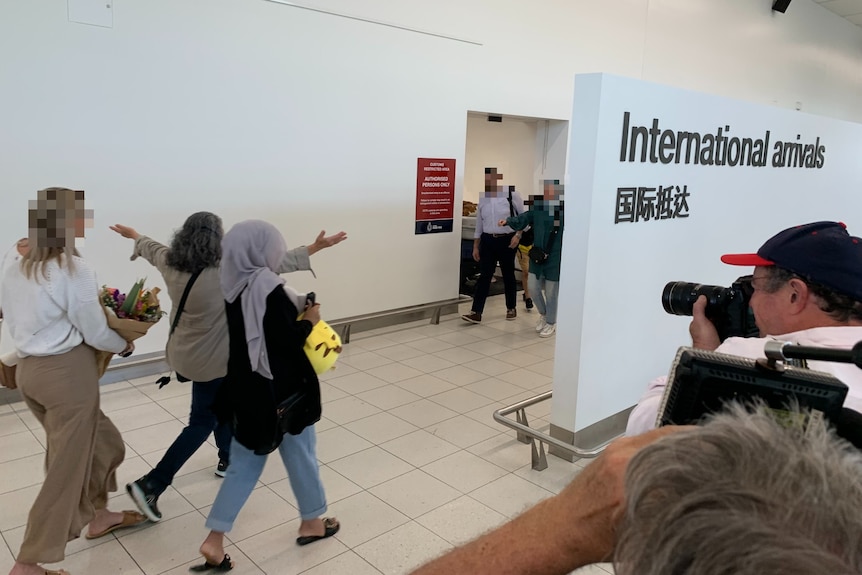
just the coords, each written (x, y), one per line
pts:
(726, 307)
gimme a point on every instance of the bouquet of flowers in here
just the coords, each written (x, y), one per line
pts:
(130, 315)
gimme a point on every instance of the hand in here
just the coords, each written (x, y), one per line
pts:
(312, 314)
(126, 231)
(23, 246)
(703, 332)
(324, 241)
(516, 239)
(501, 223)
(476, 253)
(130, 347)
(597, 496)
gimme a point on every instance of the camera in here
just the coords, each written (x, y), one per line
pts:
(726, 307)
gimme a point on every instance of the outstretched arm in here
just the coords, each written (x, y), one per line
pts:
(323, 241)
(560, 534)
(297, 258)
(151, 250)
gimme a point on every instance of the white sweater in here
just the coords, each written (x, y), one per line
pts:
(7, 349)
(54, 314)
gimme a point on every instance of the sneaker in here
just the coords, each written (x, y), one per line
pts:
(540, 325)
(548, 330)
(145, 497)
(529, 303)
(221, 469)
(472, 317)
(511, 313)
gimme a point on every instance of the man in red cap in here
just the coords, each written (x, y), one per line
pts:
(807, 285)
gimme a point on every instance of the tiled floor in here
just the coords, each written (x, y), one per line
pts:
(411, 459)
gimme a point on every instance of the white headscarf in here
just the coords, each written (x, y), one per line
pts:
(251, 252)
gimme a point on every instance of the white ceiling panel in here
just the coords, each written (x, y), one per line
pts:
(849, 9)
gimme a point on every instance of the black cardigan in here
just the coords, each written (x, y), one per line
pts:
(247, 399)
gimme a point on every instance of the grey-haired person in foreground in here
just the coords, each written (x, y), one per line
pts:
(741, 494)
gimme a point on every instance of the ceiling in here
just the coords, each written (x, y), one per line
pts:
(849, 9)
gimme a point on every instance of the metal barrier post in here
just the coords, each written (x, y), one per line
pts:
(521, 417)
(526, 434)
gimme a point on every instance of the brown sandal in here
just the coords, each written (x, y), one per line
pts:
(130, 519)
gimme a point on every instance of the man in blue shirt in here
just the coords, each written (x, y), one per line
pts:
(495, 244)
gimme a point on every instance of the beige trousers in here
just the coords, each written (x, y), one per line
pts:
(84, 450)
(524, 262)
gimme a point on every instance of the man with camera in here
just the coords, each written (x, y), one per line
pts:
(806, 289)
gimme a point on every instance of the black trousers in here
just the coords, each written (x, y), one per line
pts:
(491, 251)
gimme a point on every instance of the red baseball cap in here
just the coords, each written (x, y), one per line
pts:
(822, 252)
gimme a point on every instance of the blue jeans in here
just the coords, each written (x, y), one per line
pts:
(299, 454)
(545, 302)
(202, 422)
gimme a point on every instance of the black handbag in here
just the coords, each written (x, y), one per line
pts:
(292, 416)
(540, 256)
(296, 413)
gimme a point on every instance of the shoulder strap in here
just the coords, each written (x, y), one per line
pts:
(551, 237)
(551, 240)
(163, 381)
(183, 299)
(511, 207)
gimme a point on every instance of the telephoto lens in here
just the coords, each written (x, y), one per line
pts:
(678, 298)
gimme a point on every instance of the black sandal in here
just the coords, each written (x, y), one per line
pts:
(331, 527)
(225, 565)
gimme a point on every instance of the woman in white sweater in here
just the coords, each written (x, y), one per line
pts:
(51, 307)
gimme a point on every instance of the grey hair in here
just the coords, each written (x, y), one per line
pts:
(743, 495)
(197, 245)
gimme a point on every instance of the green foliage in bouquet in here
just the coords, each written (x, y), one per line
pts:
(139, 304)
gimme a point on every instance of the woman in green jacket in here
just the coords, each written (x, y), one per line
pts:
(546, 218)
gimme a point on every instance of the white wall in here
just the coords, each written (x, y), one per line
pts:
(613, 334)
(254, 109)
(508, 146)
(552, 139)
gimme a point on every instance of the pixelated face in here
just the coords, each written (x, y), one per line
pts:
(552, 189)
(491, 179)
(57, 217)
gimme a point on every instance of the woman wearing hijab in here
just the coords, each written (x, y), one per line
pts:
(51, 309)
(266, 366)
(197, 349)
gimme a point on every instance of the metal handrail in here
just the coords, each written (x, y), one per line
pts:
(527, 434)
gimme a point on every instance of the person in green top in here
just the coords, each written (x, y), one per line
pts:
(546, 218)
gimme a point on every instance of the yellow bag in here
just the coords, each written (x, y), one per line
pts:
(322, 346)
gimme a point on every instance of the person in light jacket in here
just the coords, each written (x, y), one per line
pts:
(198, 349)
